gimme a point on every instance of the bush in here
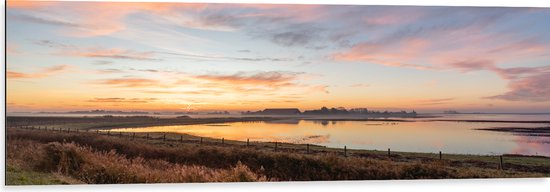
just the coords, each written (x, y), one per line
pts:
(63, 158)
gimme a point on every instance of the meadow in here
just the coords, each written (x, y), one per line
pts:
(68, 151)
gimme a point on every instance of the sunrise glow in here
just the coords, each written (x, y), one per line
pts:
(64, 56)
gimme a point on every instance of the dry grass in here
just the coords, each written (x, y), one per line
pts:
(101, 159)
(107, 167)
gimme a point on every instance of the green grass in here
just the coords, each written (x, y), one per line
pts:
(17, 176)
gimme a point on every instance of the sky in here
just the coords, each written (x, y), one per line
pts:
(65, 56)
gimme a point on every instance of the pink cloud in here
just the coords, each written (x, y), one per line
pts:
(532, 88)
(113, 53)
(439, 101)
(465, 49)
(401, 54)
(85, 15)
(267, 83)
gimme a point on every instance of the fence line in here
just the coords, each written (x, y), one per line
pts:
(147, 137)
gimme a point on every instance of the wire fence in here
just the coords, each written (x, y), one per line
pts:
(273, 146)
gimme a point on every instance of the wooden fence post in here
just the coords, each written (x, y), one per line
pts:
(164, 137)
(119, 134)
(275, 145)
(345, 151)
(440, 157)
(389, 152)
(181, 138)
(201, 140)
(97, 131)
(223, 140)
(147, 137)
(501, 163)
(247, 142)
(133, 135)
(109, 133)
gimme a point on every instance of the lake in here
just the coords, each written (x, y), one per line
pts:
(422, 135)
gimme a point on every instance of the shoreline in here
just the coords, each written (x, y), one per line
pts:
(162, 137)
(276, 117)
(523, 131)
(91, 124)
(490, 121)
(111, 159)
(516, 162)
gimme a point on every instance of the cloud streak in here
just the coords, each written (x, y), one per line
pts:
(41, 20)
(439, 101)
(97, 52)
(45, 72)
(270, 78)
(130, 82)
(122, 100)
(214, 58)
(114, 53)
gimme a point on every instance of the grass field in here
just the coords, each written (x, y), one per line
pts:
(81, 155)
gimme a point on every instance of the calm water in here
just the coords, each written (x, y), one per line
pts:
(420, 136)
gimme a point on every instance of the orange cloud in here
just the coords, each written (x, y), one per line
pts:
(17, 75)
(122, 100)
(27, 4)
(197, 92)
(43, 73)
(320, 88)
(130, 82)
(12, 48)
(360, 85)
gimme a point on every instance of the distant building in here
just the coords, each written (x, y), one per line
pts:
(276, 111)
(281, 111)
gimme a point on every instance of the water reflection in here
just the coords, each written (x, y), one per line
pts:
(327, 122)
(430, 136)
(531, 145)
